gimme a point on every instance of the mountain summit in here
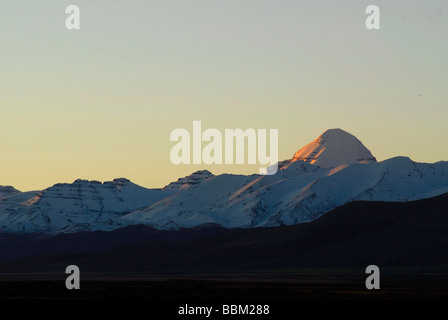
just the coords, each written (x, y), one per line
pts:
(333, 148)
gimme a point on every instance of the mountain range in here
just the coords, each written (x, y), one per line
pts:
(333, 170)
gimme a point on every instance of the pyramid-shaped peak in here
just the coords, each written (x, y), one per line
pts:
(334, 132)
(333, 148)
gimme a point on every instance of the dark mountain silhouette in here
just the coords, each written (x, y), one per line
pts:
(357, 234)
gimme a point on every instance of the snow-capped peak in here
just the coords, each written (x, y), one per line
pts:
(188, 181)
(333, 148)
(6, 191)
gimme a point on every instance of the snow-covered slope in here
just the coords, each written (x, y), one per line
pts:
(333, 148)
(329, 172)
(188, 181)
(81, 205)
(7, 191)
(299, 192)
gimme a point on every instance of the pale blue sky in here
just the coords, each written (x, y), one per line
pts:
(100, 102)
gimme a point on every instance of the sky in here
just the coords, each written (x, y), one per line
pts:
(100, 102)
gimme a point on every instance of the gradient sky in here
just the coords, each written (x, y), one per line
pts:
(100, 103)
